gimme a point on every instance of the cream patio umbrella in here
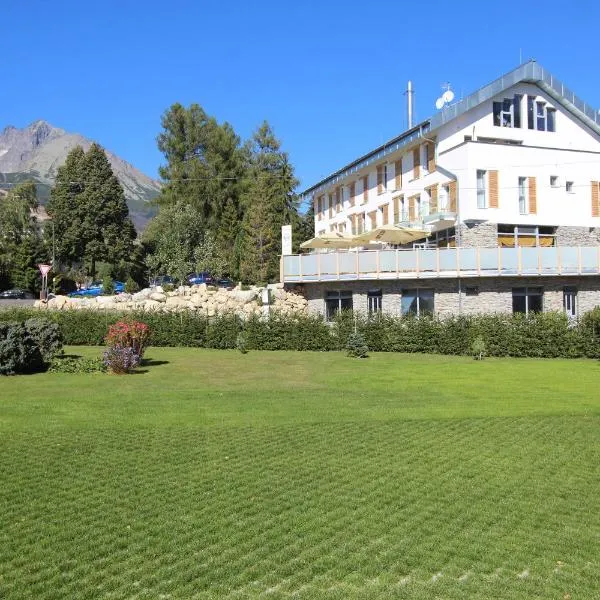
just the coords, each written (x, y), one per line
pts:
(391, 234)
(333, 240)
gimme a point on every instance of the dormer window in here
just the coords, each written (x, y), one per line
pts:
(508, 112)
(540, 116)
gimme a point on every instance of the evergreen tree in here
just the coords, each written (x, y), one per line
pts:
(89, 211)
(269, 203)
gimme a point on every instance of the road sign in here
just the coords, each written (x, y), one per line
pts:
(44, 269)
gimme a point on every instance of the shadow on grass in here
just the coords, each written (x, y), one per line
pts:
(149, 362)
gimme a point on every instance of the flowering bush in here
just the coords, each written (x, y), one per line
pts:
(129, 334)
(121, 359)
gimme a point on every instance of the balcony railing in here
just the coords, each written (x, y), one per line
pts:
(353, 265)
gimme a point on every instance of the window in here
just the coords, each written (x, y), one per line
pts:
(337, 301)
(569, 187)
(550, 119)
(374, 301)
(554, 181)
(510, 236)
(472, 290)
(385, 177)
(508, 112)
(540, 116)
(417, 302)
(481, 190)
(523, 200)
(570, 301)
(444, 194)
(527, 300)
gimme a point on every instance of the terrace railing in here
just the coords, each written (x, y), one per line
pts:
(440, 263)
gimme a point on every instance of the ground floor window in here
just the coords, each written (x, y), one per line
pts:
(417, 302)
(570, 301)
(528, 299)
(374, 301)
(510, 236)
(336, 301)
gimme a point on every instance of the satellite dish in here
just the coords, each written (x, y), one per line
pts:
(448, 96)
(439, 103)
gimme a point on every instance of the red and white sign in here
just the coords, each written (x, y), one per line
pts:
(44, 269)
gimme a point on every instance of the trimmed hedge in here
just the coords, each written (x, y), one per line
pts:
(548, 335)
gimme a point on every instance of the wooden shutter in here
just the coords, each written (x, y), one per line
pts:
(352, 193)
(373, 217)
(353, 224)
(430, 157)
(385, 211)
(365, 181)
(338, 199)
(433, 202)
(396, 209)
(317, 207)
(412, 208)
(452, 196)
(398, 174)
(330, 198)
(595, 199)
(532, 196)
(380, 179)
(493, 187)
(417, 162)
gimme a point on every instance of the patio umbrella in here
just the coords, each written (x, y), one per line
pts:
(391, 234)
(330, 240)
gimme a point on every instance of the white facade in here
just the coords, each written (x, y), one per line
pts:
(528, 177)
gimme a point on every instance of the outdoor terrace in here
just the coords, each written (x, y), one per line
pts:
(353, 265)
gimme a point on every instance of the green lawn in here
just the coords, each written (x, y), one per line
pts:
(302, 475)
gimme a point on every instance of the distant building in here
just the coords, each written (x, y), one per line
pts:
(506, 184)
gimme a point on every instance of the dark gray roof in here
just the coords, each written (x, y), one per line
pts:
(530, 72)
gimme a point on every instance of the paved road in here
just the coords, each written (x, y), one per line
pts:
(12, 303)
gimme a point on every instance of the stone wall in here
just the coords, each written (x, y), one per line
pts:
(577, 236)
(477, 295)
(198, 298)
(482, 235)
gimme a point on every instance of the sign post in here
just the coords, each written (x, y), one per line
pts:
(44, 270)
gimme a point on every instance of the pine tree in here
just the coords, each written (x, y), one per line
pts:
(89, 211)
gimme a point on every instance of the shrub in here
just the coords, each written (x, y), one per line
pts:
(129, 333)
(79, 364)
(356, 346)
(131, 286)
(478, 348)
(120, 359)
(47, 336)
(240, 343)
(168, 287)
(108, 286)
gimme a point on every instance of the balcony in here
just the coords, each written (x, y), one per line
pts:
(354, 265)
(432, 218)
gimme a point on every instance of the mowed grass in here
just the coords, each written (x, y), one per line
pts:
(302, 475)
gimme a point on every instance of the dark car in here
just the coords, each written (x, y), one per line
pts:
(162, 280)
(224, 283)
(196, 278)
(15, 294)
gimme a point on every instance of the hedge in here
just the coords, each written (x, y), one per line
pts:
(548, 335)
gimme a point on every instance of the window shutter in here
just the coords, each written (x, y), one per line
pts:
(433, 202)
(373, 217)
(532, 196)
(365, 180)
(398, 174)
(380, 179)
(338, 199)
(595, 199)
(330, 197)
(417, 162)
(352, 193)
(353, 224)
(385, 210)
(430, 157)
(397, 209)
(493, 186)
(452, 196)
(412, 205)
(317, 207)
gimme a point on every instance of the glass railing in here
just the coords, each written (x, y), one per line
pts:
(441, 262)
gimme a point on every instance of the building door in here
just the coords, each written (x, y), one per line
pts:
(570, 302)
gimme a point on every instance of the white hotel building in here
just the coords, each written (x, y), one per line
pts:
(506, 183)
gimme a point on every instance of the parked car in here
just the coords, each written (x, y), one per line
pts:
(224, 283)
(16, 294)
(95, 289)
(162, 280)
(196, 278)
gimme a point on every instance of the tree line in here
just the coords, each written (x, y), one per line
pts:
(221, 208)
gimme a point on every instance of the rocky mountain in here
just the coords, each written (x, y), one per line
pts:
(36, 152)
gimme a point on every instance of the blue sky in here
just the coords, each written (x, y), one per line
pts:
(329, 76)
